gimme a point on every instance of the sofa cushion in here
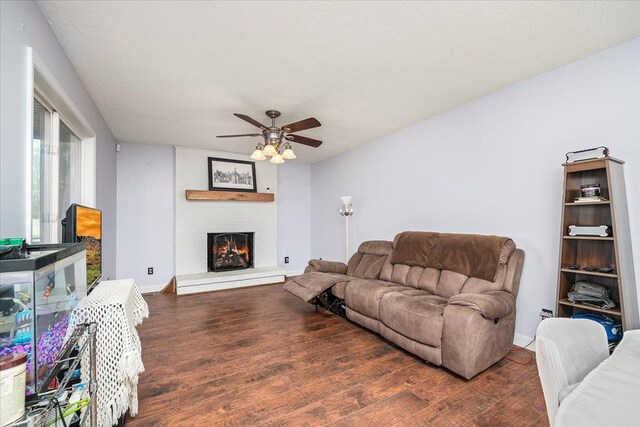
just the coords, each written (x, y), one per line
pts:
(309, 285)
(469, 254)
(369, 260)
(476, 286)
(376, 247)
(492, 305)
(450, 283)
(428, 353)
(364, 296)
(362, 320)
(415, 276)
(365, 266)
(446, 283)
(324, 266)
(400, 274)
(339, 288)
(414, 313)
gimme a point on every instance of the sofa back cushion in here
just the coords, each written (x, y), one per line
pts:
(469, 254)
(369, 260)
(447, 283)
(444, 283)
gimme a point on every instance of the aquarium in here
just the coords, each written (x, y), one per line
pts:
(37, 295)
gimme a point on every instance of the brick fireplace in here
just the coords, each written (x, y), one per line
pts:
(200, 268)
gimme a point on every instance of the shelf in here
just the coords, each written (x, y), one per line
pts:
(586, 238)
(589, 273)
(238, 196)
(605, 202)
(612, 311)
(612, 251)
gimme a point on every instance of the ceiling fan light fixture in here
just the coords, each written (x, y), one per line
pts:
(269, 150)
(258, 154)
(276, 139)
(274, 135)
(277, 159)
(288, 153)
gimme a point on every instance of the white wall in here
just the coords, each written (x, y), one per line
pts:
(146, 234)
(21, 26)
(492, 166)
(294, 212)
(194, 219)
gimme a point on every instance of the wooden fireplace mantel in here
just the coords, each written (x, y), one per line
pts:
(229, 195)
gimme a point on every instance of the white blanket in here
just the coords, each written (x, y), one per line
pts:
(117, 307)
(610, 394)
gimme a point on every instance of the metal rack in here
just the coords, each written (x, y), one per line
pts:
(48, 410)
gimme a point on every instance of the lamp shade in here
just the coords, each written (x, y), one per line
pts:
(277, 159)
(346, 200)
(288, 154)
(269, 150)
(258, 155)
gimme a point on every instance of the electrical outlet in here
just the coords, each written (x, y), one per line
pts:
(150, 270)
(546, 313)
(286, 260)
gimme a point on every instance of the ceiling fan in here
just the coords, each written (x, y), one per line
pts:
(275, 136)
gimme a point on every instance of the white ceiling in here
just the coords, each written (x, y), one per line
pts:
(172, 72)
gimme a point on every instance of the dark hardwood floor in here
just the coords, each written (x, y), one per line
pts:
(259, 356)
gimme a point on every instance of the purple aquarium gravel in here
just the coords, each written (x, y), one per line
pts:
(49, 344)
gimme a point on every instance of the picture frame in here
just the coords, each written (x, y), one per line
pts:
(232, 175)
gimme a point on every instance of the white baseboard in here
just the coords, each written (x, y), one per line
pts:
(149, 289)
(522, 340)
(290, 273)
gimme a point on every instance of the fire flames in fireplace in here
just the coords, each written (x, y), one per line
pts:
(229, 251)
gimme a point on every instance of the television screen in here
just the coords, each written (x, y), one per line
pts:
(84, 224)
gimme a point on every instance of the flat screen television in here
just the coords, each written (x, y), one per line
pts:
(84, 224)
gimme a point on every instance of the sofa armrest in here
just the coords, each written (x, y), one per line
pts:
(323, 266)
(492, 305)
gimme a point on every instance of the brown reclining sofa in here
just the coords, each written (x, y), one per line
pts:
(447, 298)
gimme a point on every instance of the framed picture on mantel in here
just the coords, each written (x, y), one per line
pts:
(231, 175)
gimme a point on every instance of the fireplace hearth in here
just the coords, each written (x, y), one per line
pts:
(229, 251)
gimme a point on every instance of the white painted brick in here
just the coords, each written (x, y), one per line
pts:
(194, 219)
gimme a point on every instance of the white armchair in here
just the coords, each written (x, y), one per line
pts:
(566, 351)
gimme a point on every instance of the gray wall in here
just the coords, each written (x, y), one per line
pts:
(294, 211)
(146, 234)
(492, 166)
(22, 25)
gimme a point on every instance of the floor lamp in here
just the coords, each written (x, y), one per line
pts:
(346, 210)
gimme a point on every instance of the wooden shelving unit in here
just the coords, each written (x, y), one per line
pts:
(229, 195)
(613, 252)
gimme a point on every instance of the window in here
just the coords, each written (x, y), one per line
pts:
(41, 126)
(63, 156)
(55, 175)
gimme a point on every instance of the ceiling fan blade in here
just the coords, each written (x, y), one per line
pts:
(236, 136)
(250, 120)
(304, 140)
(309, 123)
